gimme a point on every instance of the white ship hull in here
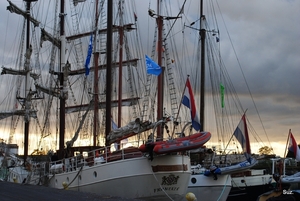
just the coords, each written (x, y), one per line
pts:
(31, 174)
(251, 185)
(254, 180)
(165, 177)
(207, 189)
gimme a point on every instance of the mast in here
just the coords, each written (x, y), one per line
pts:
(108, 69)
(27, 84)
(202, 78)
(121, 34)
(160, 79)
(62, 82)
(96, 90)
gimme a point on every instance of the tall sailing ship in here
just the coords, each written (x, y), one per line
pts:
(85, 69)
(60, 78)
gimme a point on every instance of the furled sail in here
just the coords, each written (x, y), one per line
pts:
(31, 113)
(133, 128)
(14, 9)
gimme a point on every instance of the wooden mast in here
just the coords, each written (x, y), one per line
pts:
(63, 94)
(109, 68)
(96, 90)
(202, 78)
(27, 85)
(120, 87)
(121, 35)
(160, 79)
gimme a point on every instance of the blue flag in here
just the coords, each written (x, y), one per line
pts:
(88, 57)
(152, 67)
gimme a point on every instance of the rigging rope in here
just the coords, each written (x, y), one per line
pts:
(239, 64)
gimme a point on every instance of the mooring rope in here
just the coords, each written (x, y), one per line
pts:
(223, 189)
(161, 186)
(74, 178)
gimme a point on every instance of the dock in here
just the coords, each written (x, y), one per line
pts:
(25, 192)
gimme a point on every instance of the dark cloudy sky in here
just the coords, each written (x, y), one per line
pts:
(266, 35)
(266, 38)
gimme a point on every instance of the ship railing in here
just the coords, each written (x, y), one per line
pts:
(91, 158)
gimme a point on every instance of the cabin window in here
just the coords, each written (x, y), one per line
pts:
(95, 174)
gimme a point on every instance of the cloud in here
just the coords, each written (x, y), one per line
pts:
(265, 36)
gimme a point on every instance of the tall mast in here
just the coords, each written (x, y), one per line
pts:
(109, 68)
(202, 87)
(96, 90)
(27, 84)
(121, 34)
(62, 82)
(160, 79)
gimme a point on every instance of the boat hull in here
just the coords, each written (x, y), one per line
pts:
(163, 177)
(21, 175)
(248, 188)
(207, 189)
(248, 193)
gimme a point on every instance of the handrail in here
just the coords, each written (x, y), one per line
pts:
(94, 157)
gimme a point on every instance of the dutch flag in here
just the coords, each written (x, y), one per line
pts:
(293, 147)
(241, 134)
(189, 101)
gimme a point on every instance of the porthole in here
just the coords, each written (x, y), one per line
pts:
(193, 180)
(95, 174)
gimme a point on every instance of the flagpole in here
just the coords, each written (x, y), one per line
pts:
(289, 135)
(179, 107)
(228, 143)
